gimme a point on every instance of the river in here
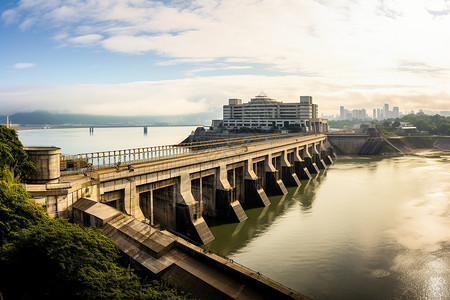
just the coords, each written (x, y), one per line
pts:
(366, 228)
(81, 140)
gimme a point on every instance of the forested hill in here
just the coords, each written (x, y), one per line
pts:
(436, 124)
(48, 118)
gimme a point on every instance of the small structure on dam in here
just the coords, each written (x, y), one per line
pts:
(47, 162)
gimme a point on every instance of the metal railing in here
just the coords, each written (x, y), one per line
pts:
(116, 158)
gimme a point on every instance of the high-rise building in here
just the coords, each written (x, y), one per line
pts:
(342, 113)
(386, 114)
(374, 114)
(378, 114)
(395, 112)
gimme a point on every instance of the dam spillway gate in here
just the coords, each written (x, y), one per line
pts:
(173, 187)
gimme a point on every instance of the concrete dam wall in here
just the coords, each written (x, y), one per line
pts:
(175, 193)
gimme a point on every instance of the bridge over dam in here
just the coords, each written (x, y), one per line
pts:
(173, 187)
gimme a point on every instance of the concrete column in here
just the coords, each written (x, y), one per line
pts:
(152, 216)
(254, 193)
(288, 174)
(226, 204)
(146, 205)
(209, 195)
(164, 206)
(318, 148)
(189, 220)
(327, 152)
(131, 200)
(273, 185)
(239, 184)
(309, 160)
(300, 165)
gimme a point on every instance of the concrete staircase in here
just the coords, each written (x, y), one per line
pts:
(372, 146)
(400, 145)
(182, 264)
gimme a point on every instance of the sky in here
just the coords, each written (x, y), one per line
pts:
(141, 57)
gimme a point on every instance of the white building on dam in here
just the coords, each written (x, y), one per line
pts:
(265, 113)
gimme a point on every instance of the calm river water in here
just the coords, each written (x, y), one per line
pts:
(367, 228)
(80, 140)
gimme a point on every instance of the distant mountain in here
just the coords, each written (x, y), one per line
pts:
(41, 118)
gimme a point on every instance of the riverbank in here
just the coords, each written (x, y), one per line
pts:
(364, 144)
(417, 144)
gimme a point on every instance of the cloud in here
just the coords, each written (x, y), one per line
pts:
(87, 39)
(237, 67)
(209, 94)
(183, 61)
(437, 8)
(24, 65)
(9, 16)
(322, 38)
(419, 67)
(340, 52)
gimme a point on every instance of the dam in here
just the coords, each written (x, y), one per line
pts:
(178, 186)
(151, 201)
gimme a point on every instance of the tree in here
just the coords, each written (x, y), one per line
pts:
(44, 258)
(396, 124)
(386, 123)
(16, 209)
(12, 154)
(55, 259)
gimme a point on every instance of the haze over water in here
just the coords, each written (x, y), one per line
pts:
(367, 228)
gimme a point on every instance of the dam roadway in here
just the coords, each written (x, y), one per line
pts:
(172, 191)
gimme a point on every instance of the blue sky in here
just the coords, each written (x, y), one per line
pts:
(140, 57)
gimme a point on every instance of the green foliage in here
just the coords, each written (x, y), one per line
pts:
(387, 149)
(44, 258)
(345, 123)
(16, 209)
(419, 142)
(59, 260)
(385, 132)
(386, 124)
(395, 124)
(433, 124)
(12, 154)
(55, 259)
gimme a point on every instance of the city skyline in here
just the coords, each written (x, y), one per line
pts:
(136, 57)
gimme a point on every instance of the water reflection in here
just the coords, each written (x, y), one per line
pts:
(259, 220)
(367, 228)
